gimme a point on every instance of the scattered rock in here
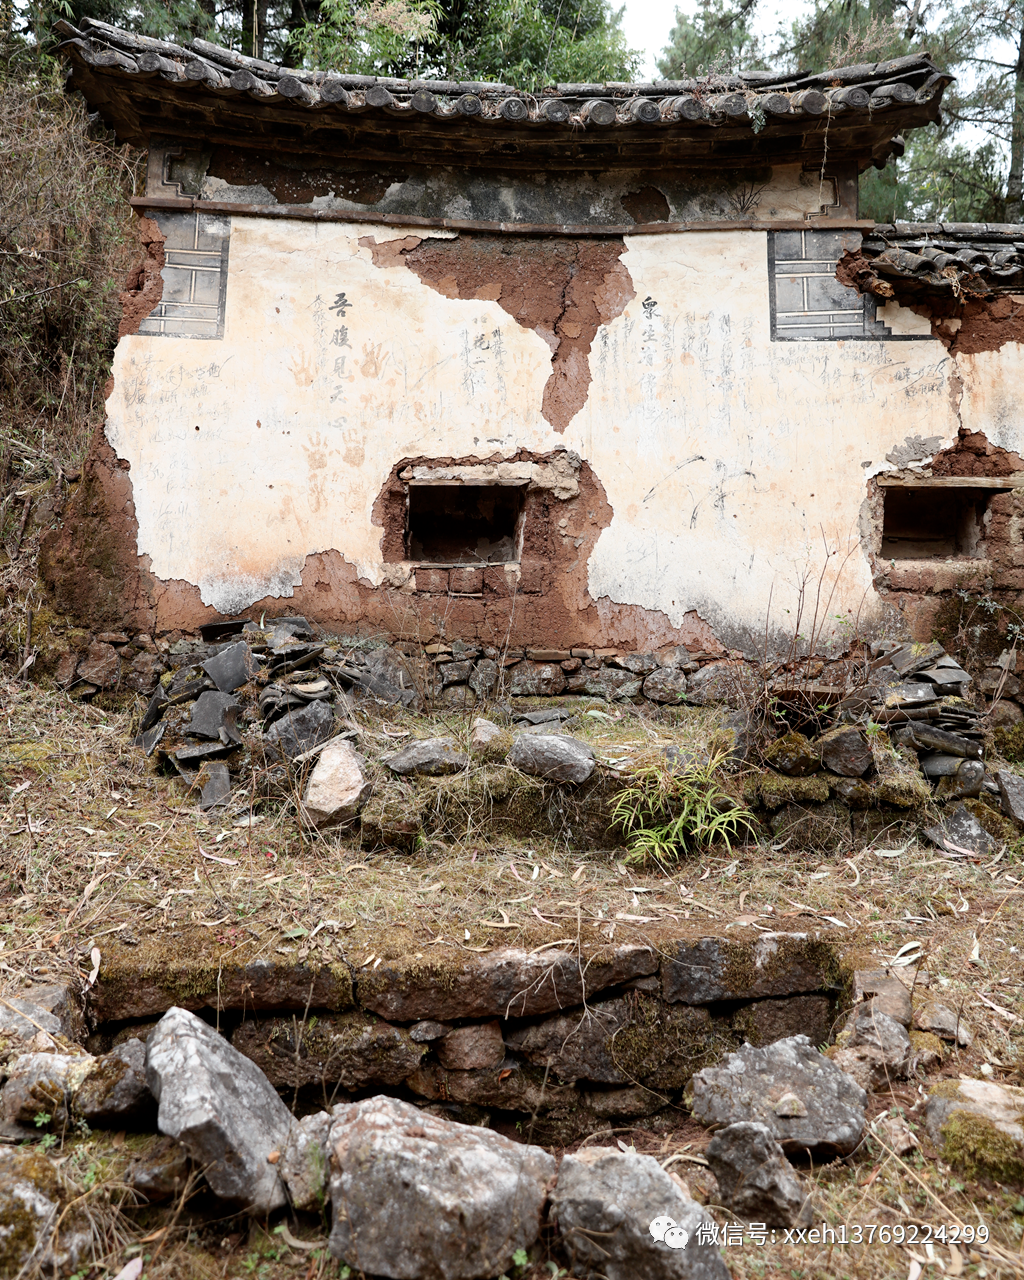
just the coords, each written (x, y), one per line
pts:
(220, 1107)
(101, 666)
(611, 683)
(845, 752)
(32, 1203)
(43, 1084)
(355, 1050)
(488, 742)
(613, 1209)
(665, 685)
(303, 1162)
(556, 757)
(114, 1095)
(455, 672)
(467, 1048)
(961, 833)
(1011, 791)
(641, 664)
(215, 717)
(537, 680)
(426, 1031)
(893, 985)
(978, 1126)
(433, 757)
(23, 1019)
(726, 681)
(1004, 715)
(750, 1083)
(161, 1172)
(941, 1020)
(337, 787)
(793, 755)
(484, 679)
(417, 1196)
(301, 729)
(874, 1048)
(756, 1181)
(56, 999)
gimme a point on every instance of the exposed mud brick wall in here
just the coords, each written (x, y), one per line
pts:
(89, 564)
(563, 290)
(144, 287)
(922, 589)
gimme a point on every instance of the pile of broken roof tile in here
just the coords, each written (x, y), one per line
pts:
(952, 258)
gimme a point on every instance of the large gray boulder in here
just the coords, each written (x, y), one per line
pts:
(554, 756)
(420, 1198)
(432, 757)
(875, 1049)
(755, 1180)
(220, 1107)
(622, 1217)
(806, 1102)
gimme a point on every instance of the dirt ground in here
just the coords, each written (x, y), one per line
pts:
(100, 850)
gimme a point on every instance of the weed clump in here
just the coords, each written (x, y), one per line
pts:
(667, 811)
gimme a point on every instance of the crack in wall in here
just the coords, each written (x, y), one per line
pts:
(561, 290)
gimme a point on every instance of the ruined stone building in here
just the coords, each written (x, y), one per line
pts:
(609, 365)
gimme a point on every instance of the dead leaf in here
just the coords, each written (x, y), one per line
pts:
(94, 973)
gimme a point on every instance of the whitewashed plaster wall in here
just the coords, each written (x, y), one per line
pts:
(732, 463)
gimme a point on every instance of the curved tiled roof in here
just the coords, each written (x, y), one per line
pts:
(144, 86)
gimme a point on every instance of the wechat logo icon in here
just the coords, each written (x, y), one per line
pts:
(665, 1230)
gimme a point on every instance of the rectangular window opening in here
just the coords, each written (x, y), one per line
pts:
(464, 523)
(934, 523)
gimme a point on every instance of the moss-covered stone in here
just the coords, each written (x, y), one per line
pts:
(822, 829)
(494, 750)
(794, 755)
(926, 1050)
(190, 969)
(995, 823)
(392, 818)
(900, 781)
(478, 801)
(980, 1148)
(775, 789)
(1009, 743)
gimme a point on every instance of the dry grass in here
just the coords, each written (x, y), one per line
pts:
(98, 845)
